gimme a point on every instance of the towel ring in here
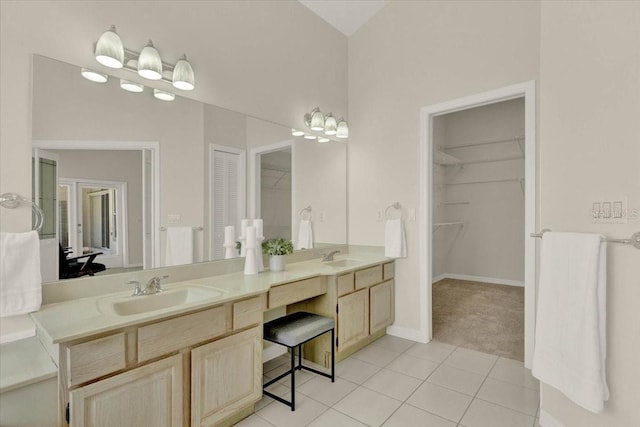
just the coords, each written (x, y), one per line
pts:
(396, 207)
(306, 211)
(13, 200)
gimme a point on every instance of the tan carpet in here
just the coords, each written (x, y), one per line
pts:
(480, 316)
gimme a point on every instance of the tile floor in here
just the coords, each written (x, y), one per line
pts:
(396, 382)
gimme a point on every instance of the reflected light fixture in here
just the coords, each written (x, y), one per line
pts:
(163, 96)
(109, 49)
(309, 136)
(295, 132)
(94, 76)
(183, 77)
(322, 139)
(149, 63)
(130, 86)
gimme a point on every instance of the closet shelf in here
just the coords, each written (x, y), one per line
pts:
(481, 143)
(453, 203)
(486, 182)
(437, 225)
(490, 160)
(444, 159)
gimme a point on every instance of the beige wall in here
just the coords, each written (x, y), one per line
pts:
(410, 55)
(246, 55)
(590, 151)
(491, 243)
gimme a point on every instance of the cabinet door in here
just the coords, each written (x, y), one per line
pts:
(382, 306)
(353, 318)
(226, 375)
(147, 396)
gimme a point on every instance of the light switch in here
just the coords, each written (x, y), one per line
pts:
(610, 210)
(617, 209)
(595, 211)
(606, 210)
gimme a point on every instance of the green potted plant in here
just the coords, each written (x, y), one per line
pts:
(277, 249)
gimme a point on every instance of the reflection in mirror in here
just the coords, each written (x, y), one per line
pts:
(275, 193)
(179, 163)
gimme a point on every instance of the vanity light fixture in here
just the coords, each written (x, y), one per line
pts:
(109, 49)
(130, 86)
(183, 77)
(343, 129)
(149, 63)
(322, 139)
(110, 52)
(163, 96)
(94, 76)
(295, 132)
(309, 136)
(328, 124)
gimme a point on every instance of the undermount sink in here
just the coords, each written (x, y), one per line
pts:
(127, 306)
(344, 263)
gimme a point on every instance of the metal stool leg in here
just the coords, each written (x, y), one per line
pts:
(300, 357)
(293, 379)
(333, 356)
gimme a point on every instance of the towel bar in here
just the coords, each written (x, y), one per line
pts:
(13, 200)
(633, 241)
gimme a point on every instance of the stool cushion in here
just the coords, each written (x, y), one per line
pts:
(296, 328)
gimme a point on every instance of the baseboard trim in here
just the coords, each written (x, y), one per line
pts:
(408, 333)
(547, 420)
(481, 279)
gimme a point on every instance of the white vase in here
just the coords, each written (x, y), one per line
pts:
(276, 262)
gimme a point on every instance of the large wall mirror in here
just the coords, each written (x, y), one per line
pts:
(116, 171)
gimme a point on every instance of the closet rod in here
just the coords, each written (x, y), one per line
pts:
(500, 159)
(477, 144)
(486, 182)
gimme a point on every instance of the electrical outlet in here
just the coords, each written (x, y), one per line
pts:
(379, 213)
(321, 216)
(412, 214)
(612, 210)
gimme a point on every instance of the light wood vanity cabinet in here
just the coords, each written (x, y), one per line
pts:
(381, 306)
(353, 318)
(202, 368)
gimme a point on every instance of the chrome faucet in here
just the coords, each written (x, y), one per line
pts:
(329, 256)
(152, 287)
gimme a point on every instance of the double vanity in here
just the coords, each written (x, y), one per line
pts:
(193, 353)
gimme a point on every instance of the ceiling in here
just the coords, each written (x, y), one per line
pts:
(347, 16)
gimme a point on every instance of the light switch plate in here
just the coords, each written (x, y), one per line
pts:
(412, 214)
(174, 218)
(610, 210)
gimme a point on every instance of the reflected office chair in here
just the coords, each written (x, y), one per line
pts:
(70, 268)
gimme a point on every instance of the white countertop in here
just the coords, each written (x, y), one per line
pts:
(79, 318)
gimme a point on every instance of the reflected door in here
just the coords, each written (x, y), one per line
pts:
(45, 193)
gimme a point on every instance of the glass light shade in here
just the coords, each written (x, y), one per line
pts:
(309, 136)
(109, 49)
(163, 96)
(183, 77)
(343, 129)
(295, 132)
(94, 76)
(322, 139)
(330, 125)
(149, 63)
(317, 120)
(130, 86)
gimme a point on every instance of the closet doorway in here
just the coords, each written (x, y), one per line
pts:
(478, 198)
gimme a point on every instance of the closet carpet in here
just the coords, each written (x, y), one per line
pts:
(480, 316)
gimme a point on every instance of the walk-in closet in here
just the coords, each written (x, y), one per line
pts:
(478, 228)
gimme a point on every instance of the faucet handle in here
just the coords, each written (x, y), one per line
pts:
(157, 282)
(137, 290)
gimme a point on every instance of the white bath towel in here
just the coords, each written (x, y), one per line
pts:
(305, 235)
(20, 279)
(570, 342)
(395, 241)
(179, 246)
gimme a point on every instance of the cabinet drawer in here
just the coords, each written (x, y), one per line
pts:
(368, 276)
(171, 335)
(249, 311)
(92, 359)
(388, 271)
(296, 291)
(345, 284)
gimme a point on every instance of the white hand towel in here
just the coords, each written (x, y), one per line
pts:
(20, 279)
(395, 241)
(570, 341)
(305, 235)
(179, 246)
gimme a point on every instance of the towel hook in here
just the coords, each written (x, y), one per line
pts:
(304, 211)
(13, 200)
(396, 206)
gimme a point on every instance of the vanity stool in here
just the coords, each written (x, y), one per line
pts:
(292, 331)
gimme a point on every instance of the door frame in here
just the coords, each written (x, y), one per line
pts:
(242, 197)
(151, 146)
(526, 90)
